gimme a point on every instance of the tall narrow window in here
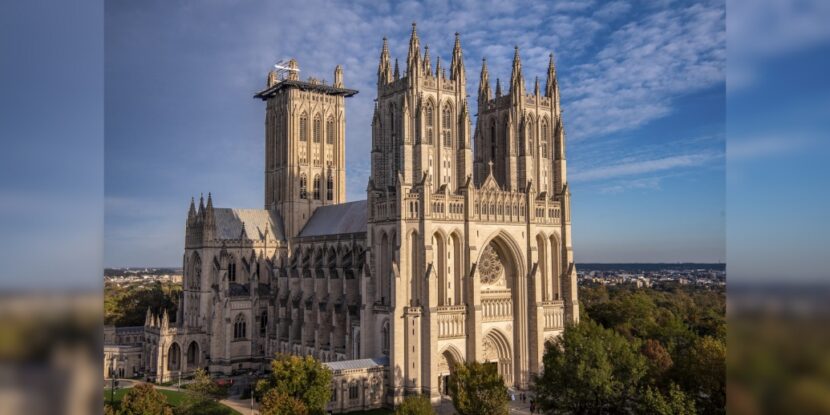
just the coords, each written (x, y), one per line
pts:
(303, 187)
(239, 327)
(330, 131)
(531, 137)
(318, 125)
(446, 126)
(493, 140)
(232, 271)
(543, 140)
(263, 323)
(304, 127)
(430, 122)
(317, 187)
(329, 188)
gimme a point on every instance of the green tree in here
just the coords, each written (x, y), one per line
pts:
(675, 402)
(702, 372)
(275, 402)
(203, 387)
(415, 405)
(144, 399)
(590, 369)
(478, 389)
(201, 395)
(303, 379)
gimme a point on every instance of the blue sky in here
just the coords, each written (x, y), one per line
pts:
(643, 91)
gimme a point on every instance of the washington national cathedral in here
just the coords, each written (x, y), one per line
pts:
(461, 251)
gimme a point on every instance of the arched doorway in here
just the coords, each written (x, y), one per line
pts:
(497, 351)
(450, 357)
(174, 357)
(193, 355)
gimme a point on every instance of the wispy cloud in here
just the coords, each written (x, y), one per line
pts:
(643, 166)
(648, 183)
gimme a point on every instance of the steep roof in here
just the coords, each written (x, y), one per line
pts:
(229, 223)
(337, 219)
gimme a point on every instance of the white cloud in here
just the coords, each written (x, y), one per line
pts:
(643, 166)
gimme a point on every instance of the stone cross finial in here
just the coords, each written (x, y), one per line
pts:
(490, 165)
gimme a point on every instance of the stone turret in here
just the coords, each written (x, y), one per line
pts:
(384, 66)
(457, 72)
(517, 82)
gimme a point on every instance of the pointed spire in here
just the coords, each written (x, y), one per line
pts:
(384, 70)
(209, 202)
(413, 58)
(484, 82)
(498, 88)
(397, 73)
(536, 87)
(516, 80)
(148, 318)
(457, 72)
(437, 66)
(201, 203)
(552, 87)
(427, 63)
(191, 213)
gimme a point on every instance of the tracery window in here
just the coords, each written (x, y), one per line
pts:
(544, 139)
(304, 127)
(239, 327)
(318, 125)
(329, 188)
(490, 267)
(446, 125)
(330, 131)
(317, 187)
(303, 187)
(430, 122)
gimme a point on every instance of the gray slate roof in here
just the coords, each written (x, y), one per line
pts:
(337, 219)
(358, 364)
(229, 223)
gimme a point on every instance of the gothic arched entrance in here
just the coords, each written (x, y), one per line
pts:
(446, 365)
(174, 357)
(497, 351)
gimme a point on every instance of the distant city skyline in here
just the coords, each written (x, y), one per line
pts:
(643, 88)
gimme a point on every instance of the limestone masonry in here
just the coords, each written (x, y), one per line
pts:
(458, 253)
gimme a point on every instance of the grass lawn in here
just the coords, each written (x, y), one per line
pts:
(174, 398)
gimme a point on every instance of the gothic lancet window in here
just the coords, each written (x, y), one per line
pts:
(317, 187)
(543, 140)
(446, 125)
(239, 327)
(304, 127)
(330, 131)
(531, 137)
(493, 140)
(303, 187)
(232, 271)
(318, 125)
(329, 188)
(263, 323)
(430, 122)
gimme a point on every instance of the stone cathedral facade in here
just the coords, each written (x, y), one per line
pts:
(461, 251)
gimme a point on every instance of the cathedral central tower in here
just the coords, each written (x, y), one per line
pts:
(305, 130)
